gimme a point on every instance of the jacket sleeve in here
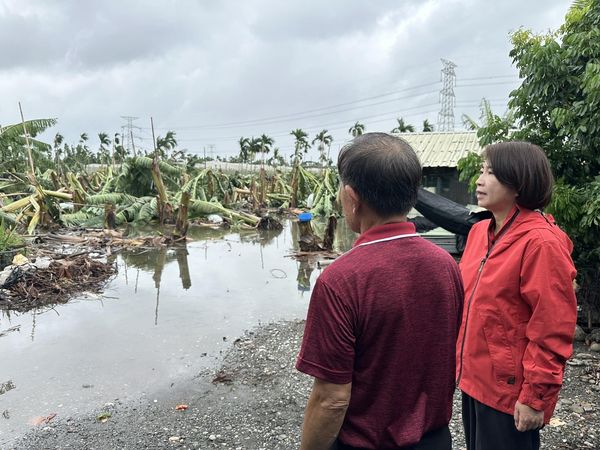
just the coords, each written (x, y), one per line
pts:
(547, 273)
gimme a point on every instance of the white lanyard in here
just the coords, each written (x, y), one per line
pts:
(399, 236)
(376, 241)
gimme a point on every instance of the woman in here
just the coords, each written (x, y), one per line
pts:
(520, 308)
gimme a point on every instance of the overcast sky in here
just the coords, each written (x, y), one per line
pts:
(213, 71)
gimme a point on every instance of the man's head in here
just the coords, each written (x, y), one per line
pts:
(383, 171)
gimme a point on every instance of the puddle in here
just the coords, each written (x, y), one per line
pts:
(168, 314)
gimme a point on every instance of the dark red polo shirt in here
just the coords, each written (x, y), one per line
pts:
(385, 316)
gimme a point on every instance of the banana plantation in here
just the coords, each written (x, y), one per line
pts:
(50, 186)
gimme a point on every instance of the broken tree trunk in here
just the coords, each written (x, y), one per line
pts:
(181, 225)
(165, 210)
(329, 233)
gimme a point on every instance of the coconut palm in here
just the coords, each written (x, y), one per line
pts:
(357, 129)
(324, 139)
(403, 127)
(166, 144)
(427, 127)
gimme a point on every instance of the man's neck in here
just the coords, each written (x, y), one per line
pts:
(373, 220)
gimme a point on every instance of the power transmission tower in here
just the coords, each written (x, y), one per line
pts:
(129, 134)
(447, 98)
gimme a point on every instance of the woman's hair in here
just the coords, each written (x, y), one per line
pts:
(383, 170)
(523, 167)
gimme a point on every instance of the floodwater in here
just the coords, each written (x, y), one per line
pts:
(168, 314)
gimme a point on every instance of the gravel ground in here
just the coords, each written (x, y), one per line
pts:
(255, 400)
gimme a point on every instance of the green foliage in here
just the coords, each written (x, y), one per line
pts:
(493, 128)
(403, 127)
(301, 144)
(357, 129)
(468, 169)
(13, 146)
(8, 238)
(558, 107)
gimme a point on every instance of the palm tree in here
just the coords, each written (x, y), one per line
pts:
(265, 145)
(357, 129)
(103, 153)
(427, 127)
(276, 159)
(403, 127)
(164, 145)
(244, 143)
(120, 152)
(254, 147)
(300, 145)
(58, 141)
(324, 139)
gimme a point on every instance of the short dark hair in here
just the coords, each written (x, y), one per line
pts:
(524, 167)
(383, 170)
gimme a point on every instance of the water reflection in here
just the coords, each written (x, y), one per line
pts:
(165, 308)
(306, 267)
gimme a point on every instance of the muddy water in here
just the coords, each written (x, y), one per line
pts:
(168, 314)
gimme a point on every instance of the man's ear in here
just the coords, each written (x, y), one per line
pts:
(352, 194)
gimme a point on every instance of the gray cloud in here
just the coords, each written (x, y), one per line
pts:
(194, 64)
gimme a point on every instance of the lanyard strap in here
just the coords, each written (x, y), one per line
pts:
(376, 241)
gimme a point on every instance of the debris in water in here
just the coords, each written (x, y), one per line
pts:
(27, 287)
(10, 330)
(269, 223)
(5, 387)
(181, 407)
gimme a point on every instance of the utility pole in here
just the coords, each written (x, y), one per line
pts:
(447, 97)
(129, 134)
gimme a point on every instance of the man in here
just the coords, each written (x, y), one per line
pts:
(383, 318)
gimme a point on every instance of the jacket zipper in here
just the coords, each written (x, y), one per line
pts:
(462, 345)
(483, 261)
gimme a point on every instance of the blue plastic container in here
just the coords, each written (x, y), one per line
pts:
(305, 217)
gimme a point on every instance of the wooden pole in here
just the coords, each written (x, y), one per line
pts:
(153, 138)
(27, 142)
(132, 142)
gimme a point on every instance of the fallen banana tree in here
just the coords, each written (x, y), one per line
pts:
(34, 206)
(145, 190)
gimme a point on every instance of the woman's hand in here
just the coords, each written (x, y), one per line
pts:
(527, 418)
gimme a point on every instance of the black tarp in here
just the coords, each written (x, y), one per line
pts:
(449, 215)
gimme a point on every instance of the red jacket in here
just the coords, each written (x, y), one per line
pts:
(519, 315)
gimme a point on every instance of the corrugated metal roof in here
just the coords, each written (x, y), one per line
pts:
(442, 149)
